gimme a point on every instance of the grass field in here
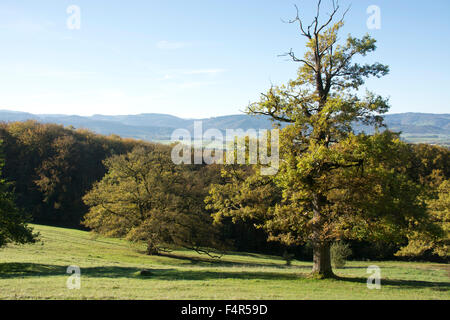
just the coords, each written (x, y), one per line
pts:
(110, 269)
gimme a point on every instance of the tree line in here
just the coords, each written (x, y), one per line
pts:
(127, 188)
(67, 177)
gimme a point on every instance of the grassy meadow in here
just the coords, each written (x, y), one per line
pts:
(111, 269)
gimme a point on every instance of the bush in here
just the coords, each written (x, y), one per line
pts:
(339, 253)
(288, 257)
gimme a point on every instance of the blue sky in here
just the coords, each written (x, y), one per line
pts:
(201, 58)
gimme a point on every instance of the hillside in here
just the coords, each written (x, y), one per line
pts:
(111, 269)
(415, 127)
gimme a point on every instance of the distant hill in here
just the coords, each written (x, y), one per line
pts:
(415, 127)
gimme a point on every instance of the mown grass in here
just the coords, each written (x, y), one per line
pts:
(111, 269)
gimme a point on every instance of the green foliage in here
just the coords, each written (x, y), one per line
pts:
(437, 242)
(145, 197)
(339, 253)
(52, 167)
(13, 223)
(429, 166)
(13, 227)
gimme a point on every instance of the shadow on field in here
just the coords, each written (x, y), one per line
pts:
(11, 270)
(17, 270)
(404, 284)
(22, 270)
(223, 263)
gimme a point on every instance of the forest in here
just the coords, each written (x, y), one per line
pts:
(75, 178)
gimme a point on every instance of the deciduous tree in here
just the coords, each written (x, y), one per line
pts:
(145, 197)
(333, 183)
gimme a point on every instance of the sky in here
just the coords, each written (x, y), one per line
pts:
(201, 58)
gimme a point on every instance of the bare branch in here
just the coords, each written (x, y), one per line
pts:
(272, 114)
(330, 19)
(297, 19)
(316, 19)
(295, 59)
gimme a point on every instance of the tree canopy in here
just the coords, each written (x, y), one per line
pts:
(145, 197)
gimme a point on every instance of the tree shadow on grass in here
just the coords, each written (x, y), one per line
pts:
(403, 284)
(223, 263)
(22, 270)
(177, 275)
(17, 270)
(356, 267)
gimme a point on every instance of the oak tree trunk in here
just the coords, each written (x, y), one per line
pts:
(152, 249)
(322, 261)
(321, 248)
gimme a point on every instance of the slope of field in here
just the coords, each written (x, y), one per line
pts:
(111, 269)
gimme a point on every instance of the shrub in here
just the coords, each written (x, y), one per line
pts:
(288, 257)
(339, 253)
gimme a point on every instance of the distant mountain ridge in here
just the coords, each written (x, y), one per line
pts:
(415, 127)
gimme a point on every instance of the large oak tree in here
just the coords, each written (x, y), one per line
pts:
(146, 197)
(333, 183)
